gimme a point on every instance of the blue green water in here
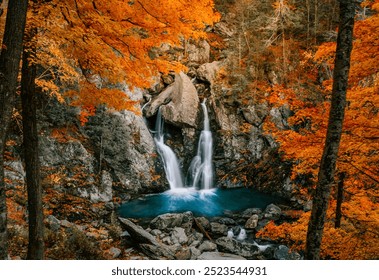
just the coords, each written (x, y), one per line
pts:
(209, 203)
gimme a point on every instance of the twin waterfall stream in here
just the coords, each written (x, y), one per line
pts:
(197, 191)
(200, 172)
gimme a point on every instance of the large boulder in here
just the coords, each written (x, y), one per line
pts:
(146, 242)
(272, 212)
(230, 245)
(252, 222)
(172, 220)
(219, 229)
(179, 103)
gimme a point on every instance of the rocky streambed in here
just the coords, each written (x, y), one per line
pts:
(184, 236)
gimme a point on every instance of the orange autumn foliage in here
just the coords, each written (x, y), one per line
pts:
(116, 41)
(303, 142)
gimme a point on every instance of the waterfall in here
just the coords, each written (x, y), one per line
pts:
(170, 161)
(200, 172)
(242, 235)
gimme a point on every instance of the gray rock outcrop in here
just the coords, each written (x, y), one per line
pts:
(179, 103)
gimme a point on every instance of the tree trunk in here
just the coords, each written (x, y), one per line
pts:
(341, 182)
(9, 66)
(30, 137)
(333, 136)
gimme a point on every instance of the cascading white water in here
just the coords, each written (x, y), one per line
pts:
(170, 161)
(200, 172)
(242, 235)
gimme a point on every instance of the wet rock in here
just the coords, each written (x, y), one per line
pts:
(252, 222)
(257, 144)
(226, 244)
(262, 223)
(204, 222)
(230, 245)
(269, 253)
(195, 253)
(283, 253)
(226, 221)
(219, 256)
(195, 238)
(175, 247)
(207, 246)
(250, 211)
(171, 220)
(272, 212)
(219, 229)
(178, 235)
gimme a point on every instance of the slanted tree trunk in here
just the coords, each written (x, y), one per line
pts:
(9, 66)
(333, 136)
(30, 137)
(341, 182)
